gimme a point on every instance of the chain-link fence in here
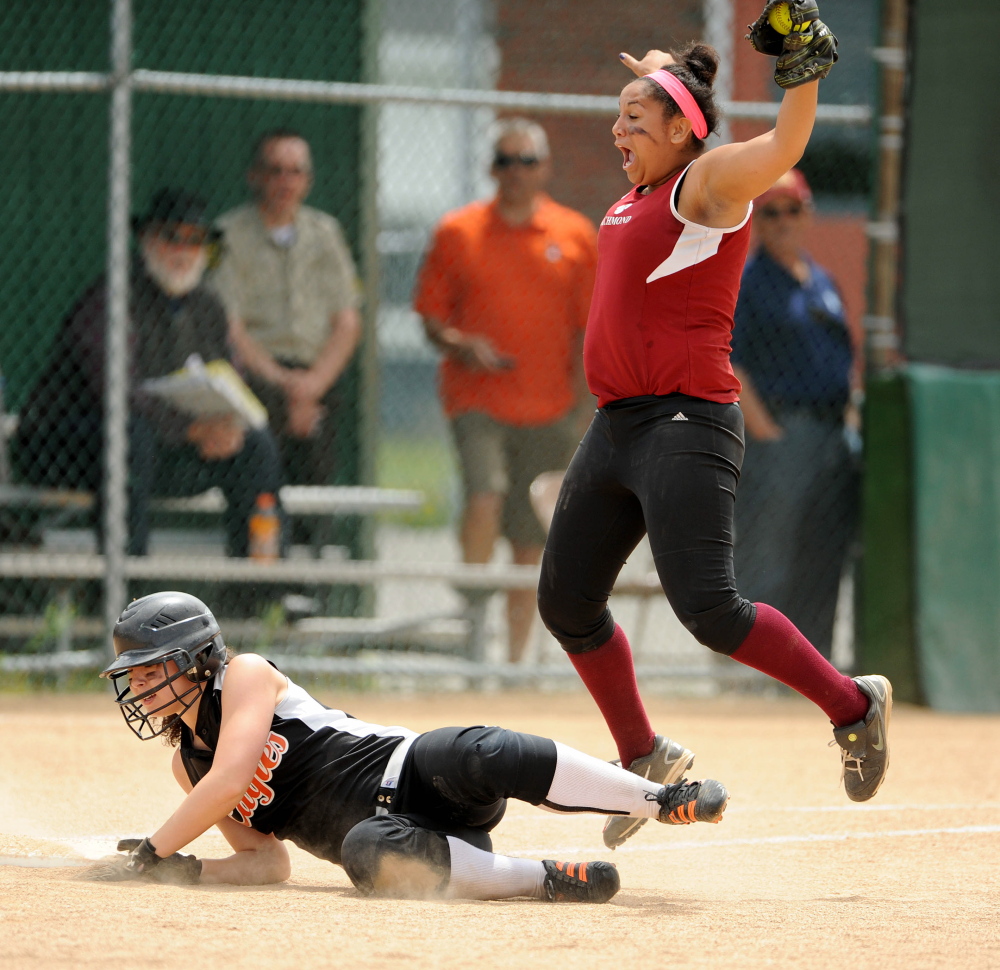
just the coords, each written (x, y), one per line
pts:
(309, 191)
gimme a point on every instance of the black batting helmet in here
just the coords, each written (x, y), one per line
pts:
(157, 629)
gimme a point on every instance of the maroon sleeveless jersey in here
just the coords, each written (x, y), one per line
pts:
(661, 317)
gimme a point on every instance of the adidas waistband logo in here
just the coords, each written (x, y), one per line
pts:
(679, 416)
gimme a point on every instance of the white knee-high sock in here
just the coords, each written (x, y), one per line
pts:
(585, 784)
(476, 874)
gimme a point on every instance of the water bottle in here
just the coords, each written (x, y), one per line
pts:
(265, 529)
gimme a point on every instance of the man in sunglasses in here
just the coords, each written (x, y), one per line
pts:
(289, 284)
(172, 316)
(796, 506)
(504, 294)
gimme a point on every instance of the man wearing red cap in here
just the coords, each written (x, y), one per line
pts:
(796, 504)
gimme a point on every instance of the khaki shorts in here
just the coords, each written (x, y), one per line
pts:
(506, 458)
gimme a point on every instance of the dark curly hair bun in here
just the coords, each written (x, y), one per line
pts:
(695, 65)
(701, 60)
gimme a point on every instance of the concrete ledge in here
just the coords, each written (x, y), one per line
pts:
(297, 499)
(418, 666)
(488, 577)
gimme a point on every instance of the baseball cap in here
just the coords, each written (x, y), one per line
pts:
(176, 206)
(791, 185)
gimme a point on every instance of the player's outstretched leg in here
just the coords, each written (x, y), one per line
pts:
(395, 856)
(479, 767)
(858, 708)
(581, 783)
(665, 764)
(865, 744)
(475, 874)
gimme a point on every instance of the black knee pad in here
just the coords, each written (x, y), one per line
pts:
(593, 642)
(577, 623)
(723, 628)
(390, 855)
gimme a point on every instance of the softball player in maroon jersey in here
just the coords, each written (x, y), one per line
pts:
(662, 456)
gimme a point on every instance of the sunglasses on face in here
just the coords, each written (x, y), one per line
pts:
(500, 160)
(182, 235)
(776, 212)
(276, 171)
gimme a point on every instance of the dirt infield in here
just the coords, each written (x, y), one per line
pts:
(795, 876)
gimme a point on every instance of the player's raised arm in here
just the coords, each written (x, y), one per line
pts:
(736, 174)
(727, 178)
(806, 50)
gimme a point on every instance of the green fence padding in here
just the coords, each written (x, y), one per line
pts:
(53, 207)
(951, 190)
(54, 160)
(886, 641)
(956, 464)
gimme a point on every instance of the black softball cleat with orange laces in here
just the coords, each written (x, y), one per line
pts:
(692, 801)
(580, 882)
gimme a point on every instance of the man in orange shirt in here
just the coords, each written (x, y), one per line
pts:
(504, 293)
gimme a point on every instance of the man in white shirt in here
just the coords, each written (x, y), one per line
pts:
(290, 288)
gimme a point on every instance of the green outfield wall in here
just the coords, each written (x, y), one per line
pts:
(930, 590)
(929, 596)
(886, 627)
(951, 295)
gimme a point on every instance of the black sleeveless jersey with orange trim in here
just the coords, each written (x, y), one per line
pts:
(318, 774)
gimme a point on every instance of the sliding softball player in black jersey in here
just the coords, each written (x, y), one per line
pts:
(405, 814)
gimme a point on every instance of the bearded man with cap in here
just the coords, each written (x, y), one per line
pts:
(796, 507)
(172, 316)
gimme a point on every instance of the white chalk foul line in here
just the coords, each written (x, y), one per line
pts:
(773, 840)
(39, 862)
(863, 809)
(85, 848)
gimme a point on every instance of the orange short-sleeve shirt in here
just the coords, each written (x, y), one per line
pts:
(525, 288)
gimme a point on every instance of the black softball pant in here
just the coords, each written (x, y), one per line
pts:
(667, 466)
(455, 781)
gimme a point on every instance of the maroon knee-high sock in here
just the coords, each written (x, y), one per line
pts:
(609, 675)
(776, 647)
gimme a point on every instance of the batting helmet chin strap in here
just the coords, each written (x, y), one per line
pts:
(207, 661)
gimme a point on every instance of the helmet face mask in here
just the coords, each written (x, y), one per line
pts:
(187, 692)
(153, 632)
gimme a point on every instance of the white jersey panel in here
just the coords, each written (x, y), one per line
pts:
(298, 704)
(696, 243)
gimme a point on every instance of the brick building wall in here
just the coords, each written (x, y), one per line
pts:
(573, 47)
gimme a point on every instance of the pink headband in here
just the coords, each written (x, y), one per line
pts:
(675, 87)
